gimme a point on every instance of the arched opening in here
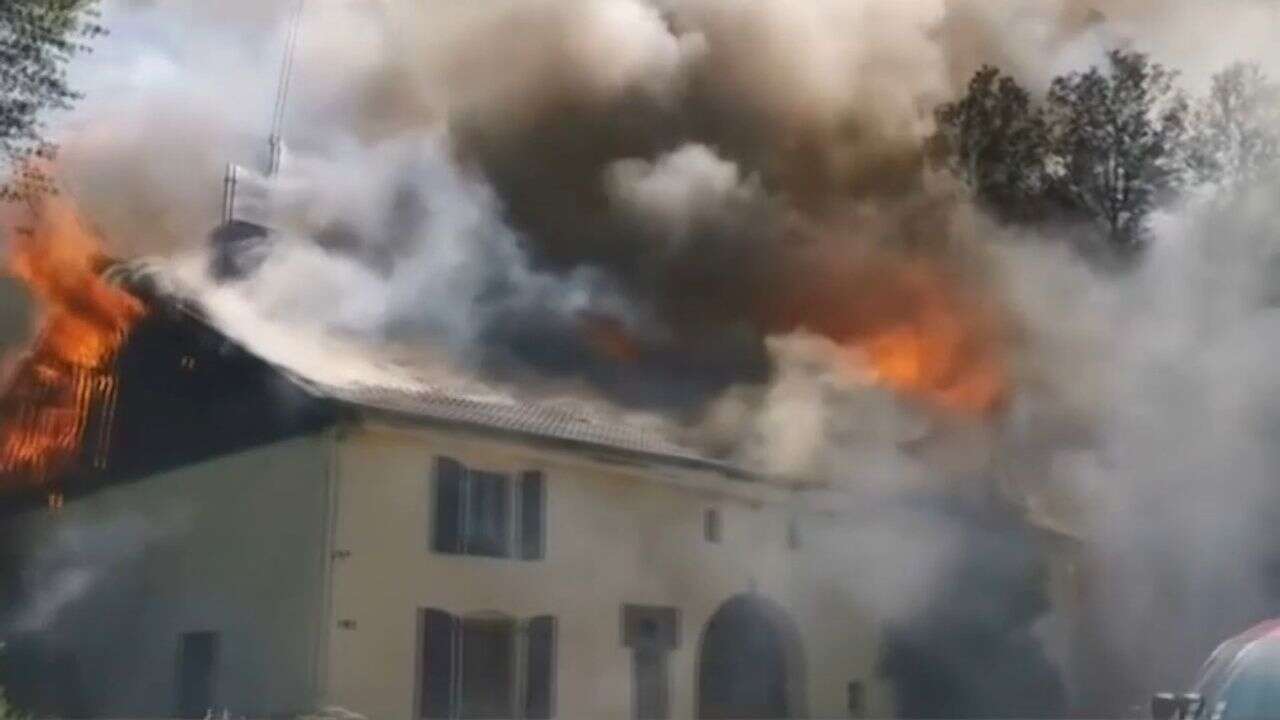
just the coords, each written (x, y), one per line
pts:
(750, 663)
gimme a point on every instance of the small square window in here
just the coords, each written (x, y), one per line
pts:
(711, 529)
(793, 533)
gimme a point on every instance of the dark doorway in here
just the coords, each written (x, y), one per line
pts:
(197, 660)
(743, 665)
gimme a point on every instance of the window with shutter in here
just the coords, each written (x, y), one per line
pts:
(477, 512)
(481, 667)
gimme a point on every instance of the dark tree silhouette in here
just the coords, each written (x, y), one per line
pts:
(994, 140)
(37, 39)
(1104, 148)
(1116, 143)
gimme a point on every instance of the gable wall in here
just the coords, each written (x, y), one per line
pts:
(109, 582)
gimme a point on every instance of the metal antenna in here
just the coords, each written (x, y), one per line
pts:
(282, 93)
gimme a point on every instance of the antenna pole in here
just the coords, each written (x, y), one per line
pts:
(275, 141)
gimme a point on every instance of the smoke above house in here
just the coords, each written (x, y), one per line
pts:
(722, 214)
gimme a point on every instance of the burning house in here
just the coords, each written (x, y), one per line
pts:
(197, 518)
(188, 526)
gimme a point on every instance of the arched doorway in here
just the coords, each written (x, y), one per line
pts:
(750, 662)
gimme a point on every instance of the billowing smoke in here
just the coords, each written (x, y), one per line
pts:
(541, 222)
(721, 213)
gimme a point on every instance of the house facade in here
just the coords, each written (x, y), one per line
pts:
(402, 570)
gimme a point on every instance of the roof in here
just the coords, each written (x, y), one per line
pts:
(548, 421)
(457, 402)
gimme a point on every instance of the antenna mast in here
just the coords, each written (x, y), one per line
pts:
(276, 139)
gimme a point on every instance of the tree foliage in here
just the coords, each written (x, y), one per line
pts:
(1115, 142)
(993, 139)
(7, 711)
(1105, 146)
(1236, 136)
(37, 39)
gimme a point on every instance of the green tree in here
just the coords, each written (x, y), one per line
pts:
(37, 40)
(1236, 129)
(1116, 144)
(993, 139)
(7, 711)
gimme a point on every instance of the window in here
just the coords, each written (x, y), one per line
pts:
(651, 633)
(711, 525)
(484, 513)
(488, 656)
(486, 666)
(487, 514)
(197, 661)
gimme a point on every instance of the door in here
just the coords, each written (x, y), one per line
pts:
(742, 665)
(197, 661)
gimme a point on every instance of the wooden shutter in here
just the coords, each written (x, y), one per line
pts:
(540, 685)
(533, 510)
(439, 652)
(450, 487)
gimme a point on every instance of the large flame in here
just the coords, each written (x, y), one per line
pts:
(908, 325)
(64, 386)
(933, 344)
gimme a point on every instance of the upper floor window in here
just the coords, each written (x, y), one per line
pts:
(478, 512)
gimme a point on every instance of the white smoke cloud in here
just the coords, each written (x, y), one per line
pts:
(78, 557)
(681, 190)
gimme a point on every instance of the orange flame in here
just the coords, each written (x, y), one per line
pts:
(936, 346)
(907, 325)
(65, 380)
